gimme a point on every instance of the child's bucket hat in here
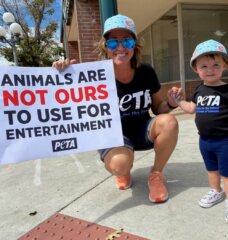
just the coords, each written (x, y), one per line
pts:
(208, 47)
(119, 22)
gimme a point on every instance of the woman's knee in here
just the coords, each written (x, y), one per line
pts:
(119, 160)
(167, 122)
(164, 124)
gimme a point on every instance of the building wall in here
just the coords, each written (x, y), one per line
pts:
(89, 29)
(190, 85)
(73, 51)
(83, 29)
(146, 12)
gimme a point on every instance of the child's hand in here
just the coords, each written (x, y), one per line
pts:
(175, 94)
(63, 64)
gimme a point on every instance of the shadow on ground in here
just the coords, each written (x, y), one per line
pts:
(179, 178)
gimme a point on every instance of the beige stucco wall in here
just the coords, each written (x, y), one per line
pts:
(145, 12)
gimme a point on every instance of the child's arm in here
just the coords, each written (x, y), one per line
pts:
(188, 107)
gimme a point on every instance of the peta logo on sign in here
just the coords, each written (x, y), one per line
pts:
(64, 144)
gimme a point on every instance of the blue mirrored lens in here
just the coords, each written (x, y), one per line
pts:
(128, 43)
(112, 44)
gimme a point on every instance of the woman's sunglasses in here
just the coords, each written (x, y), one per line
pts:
(127, 43)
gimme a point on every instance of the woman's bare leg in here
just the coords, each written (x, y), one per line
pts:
(119, 162)
(164, 134)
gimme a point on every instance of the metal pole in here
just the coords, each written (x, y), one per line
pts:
(15, 54)
(12, 43)
(181, 46)
(108, 8)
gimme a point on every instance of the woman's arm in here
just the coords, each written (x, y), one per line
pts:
(159, 105)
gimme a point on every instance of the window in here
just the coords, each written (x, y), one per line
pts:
(147, 46)
(165, 47)
(201, 23)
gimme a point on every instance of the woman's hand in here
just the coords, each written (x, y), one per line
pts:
(63, 64)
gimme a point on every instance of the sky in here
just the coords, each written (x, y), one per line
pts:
(57, 16)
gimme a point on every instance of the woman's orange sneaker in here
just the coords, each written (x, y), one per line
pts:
(158, 192)
(123, 182)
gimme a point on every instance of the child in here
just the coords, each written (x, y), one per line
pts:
(210, 103)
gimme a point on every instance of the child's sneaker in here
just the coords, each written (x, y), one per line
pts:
(226, 210)
(123, 182)
(158, 192)
(211, 198)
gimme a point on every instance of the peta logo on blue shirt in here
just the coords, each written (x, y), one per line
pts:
(64, 144)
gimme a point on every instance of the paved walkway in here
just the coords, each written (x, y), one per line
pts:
(79, 186)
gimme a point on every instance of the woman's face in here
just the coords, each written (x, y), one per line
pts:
(120, 55)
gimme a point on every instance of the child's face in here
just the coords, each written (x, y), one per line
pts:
(210, 69)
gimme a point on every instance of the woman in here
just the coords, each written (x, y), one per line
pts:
(139, 91)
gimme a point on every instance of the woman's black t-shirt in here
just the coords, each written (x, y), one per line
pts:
(135, 97)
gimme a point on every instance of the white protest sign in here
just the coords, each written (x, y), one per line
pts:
(46, 113)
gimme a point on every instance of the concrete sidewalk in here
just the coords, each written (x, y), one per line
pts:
(79, 186)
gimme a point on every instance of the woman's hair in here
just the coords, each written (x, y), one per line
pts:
(102, 52)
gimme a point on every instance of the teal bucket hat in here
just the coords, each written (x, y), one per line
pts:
(208, 47)
(119, 22)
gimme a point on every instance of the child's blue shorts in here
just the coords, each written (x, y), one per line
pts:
(215, 154)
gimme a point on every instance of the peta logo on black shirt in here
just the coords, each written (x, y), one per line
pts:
(208, 101)
(135, 101)
(64, 144)
(208, 104)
